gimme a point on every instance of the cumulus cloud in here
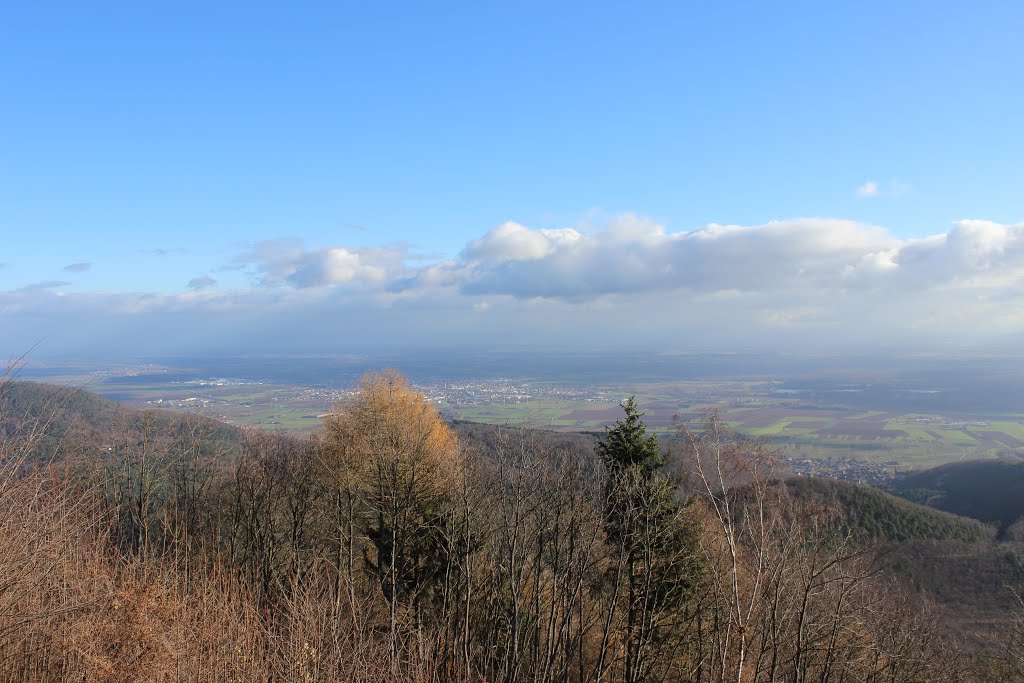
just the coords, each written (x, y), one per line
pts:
(286, 262)
(800, 281)
(335, 266)
(202, 282)
(632, 256)
(514, 242)
(77, 267)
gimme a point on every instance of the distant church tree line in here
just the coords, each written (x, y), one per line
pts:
(382, 549)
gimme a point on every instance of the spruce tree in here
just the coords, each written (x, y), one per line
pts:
(627, 444)
(652, 538)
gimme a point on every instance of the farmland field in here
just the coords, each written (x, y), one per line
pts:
(913, 419)
(796, 426)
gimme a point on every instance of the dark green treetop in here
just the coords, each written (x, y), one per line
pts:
(627, 445)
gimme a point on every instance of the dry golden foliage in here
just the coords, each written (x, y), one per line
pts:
(387, 423)
(70, 610)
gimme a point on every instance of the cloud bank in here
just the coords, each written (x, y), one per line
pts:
(807, 283)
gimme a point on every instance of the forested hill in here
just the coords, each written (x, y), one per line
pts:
(954, 561)
(22, 401)
(490, 438)
(74, 421)
(989, 490)
(288, 519)
(882, 516)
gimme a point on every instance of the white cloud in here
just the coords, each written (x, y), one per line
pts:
(868, 189)
(514, 242)
(872, 188)
(801, 281)
(334, 266)
(632, 255)
(286, 262)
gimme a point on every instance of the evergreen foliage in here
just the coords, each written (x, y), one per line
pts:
(884, 517)
(989, 490)
(656, 543)
(627, 444)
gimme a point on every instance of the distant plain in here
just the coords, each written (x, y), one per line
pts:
(910, 413)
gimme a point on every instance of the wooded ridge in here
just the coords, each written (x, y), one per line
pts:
(392, 546)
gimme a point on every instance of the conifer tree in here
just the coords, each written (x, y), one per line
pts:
(627, 444)
(654, 543)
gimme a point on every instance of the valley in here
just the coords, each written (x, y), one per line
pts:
(863, 425)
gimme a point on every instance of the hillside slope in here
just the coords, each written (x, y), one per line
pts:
(60, 421)
(885, 517)
(989, 490)
(952, 561)
(949, 559)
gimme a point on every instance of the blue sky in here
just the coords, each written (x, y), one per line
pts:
(239, 162)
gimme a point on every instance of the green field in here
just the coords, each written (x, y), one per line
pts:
(912, 440)
(795, 426)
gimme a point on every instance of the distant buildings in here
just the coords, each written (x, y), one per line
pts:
(848, 469)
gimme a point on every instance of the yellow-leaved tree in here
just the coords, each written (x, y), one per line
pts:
(393, 464)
